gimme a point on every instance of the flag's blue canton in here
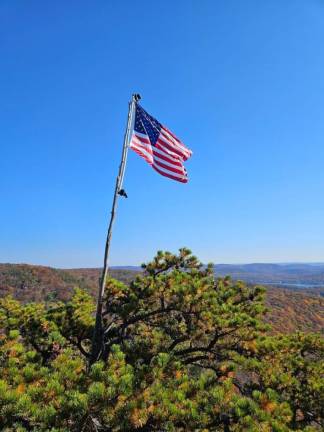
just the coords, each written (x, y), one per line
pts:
(146, 124)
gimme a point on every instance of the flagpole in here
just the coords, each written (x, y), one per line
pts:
(97, 339)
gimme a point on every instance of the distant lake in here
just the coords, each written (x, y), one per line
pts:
(292, 285)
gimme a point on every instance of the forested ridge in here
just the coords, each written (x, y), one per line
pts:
(287, 310)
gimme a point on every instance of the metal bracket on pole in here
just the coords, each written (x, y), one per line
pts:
(122, 193)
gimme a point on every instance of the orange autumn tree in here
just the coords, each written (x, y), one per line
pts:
(182, 351)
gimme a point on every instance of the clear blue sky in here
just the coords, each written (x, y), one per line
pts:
(241, 82)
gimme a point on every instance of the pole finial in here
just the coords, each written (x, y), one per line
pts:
(136, 97)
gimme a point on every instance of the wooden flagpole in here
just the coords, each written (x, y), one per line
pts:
(97, 339)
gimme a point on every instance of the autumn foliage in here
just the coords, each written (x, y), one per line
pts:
(182, 351)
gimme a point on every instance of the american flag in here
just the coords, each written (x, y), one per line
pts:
(159, 146)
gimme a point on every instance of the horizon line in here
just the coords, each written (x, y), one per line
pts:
(125, 266)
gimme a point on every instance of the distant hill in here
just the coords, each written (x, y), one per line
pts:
(90, 276)
(288, 310)
(38, 283)
(309, 277)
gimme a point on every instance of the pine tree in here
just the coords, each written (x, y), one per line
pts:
(182, 351)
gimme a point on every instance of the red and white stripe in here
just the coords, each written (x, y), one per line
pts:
(166, 156)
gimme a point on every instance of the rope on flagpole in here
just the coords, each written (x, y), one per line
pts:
(97, 339)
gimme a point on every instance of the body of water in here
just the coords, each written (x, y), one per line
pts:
(292, 285)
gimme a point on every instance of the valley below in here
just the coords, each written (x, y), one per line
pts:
(294, 296)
